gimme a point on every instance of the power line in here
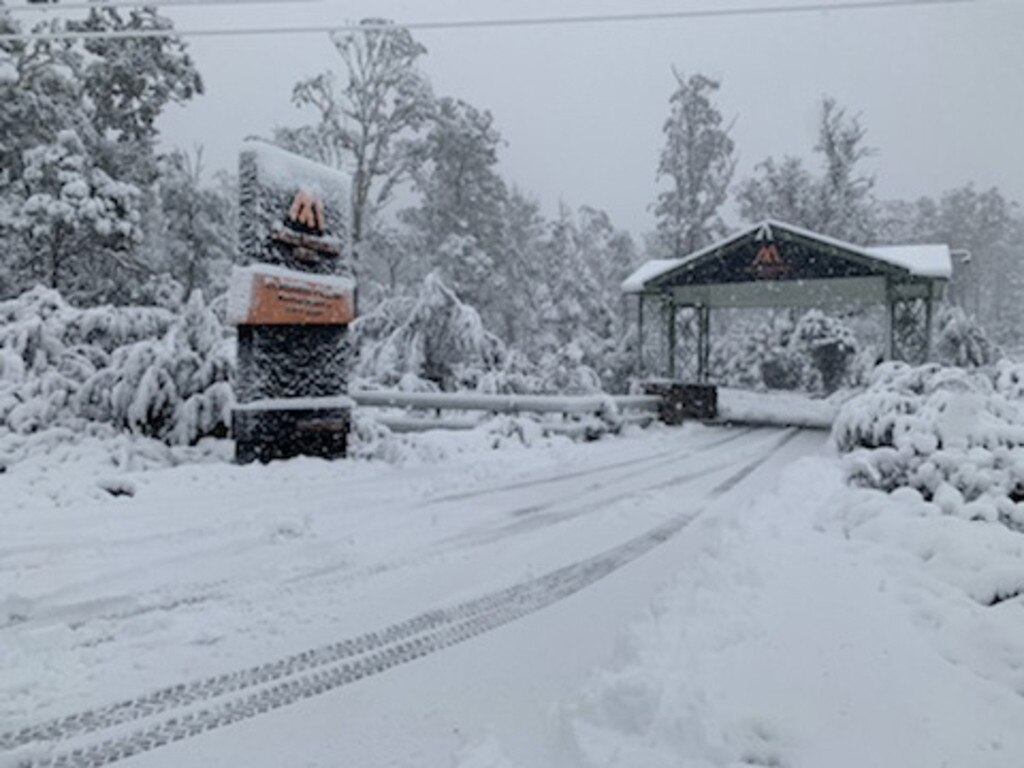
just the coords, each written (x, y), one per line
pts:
(53, 5)
(540, 21)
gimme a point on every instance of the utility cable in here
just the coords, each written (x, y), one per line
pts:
(540, 21)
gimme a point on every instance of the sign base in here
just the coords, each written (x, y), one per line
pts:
(277, 429)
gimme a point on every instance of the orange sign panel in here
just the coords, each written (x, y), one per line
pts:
(290, 301)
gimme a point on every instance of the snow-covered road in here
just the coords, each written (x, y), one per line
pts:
(227, 615)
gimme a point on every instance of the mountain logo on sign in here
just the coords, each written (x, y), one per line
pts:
(306, 213)
(768, 262)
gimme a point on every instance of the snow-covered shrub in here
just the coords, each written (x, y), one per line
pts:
(138, 368)
(1008, 378)
(436, 337)
(434, 341)
(175, 388)
(738, 356)
(946, 433)
(813, 355)
(962, 342)
(781, 368)
(563, 371)
(48, 349)
(829, 344)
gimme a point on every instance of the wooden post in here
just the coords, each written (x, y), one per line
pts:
(670, 315)
(928, 321)
(640, 334)
(890, 309)
(703, 343)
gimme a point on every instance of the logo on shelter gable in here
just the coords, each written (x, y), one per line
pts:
(768, 262)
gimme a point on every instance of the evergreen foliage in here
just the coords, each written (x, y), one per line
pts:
(698, 163)
(143, 370)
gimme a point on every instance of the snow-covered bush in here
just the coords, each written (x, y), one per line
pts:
(781, 368)
(813, 355)
(434, 341)
(140, 369)
(436, 337)
(48, 349)
(962, 342)
(955, 437)
(563, 371)
(738, 356)
(175, 388)
(828, 343)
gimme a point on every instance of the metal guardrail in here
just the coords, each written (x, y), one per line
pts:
(469, 401)
(635, 409)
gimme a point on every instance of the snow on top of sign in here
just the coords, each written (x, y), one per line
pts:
(283, 168)
(933, 260)
(242, 278)
(922, 260)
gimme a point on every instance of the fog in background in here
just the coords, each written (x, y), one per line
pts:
(581, 107)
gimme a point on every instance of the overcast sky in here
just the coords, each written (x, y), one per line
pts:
(940, 89)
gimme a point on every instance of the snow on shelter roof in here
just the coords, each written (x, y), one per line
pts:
(932, 261)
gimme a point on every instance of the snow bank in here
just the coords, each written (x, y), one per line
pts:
(953, 437)
(783, 409)
(820, 626)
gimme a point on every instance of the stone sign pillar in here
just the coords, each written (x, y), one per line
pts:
(292, 300)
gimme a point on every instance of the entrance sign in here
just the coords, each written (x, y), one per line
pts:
(262, 295)
(294, 212)
(292, 299)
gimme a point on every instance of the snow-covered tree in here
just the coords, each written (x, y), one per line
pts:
(828, 343)
(839, 202)
(460, 189)
(367, 121)
(87, 107)
(75, 220)
(962, 342)
(783, 190)
(986, 231)
(459, 223)
(698, 163)
(435, 338)
(197, 236)
(127, 82)
(847, 208)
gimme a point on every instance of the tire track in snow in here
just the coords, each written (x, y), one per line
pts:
(674, 454)
(313, 672)
(652, 461)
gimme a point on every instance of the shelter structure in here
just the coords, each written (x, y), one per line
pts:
(777, 265)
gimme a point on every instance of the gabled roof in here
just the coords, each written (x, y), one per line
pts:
(926, 262)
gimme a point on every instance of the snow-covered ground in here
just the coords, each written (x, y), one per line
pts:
(783, 409)
(326, 614)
